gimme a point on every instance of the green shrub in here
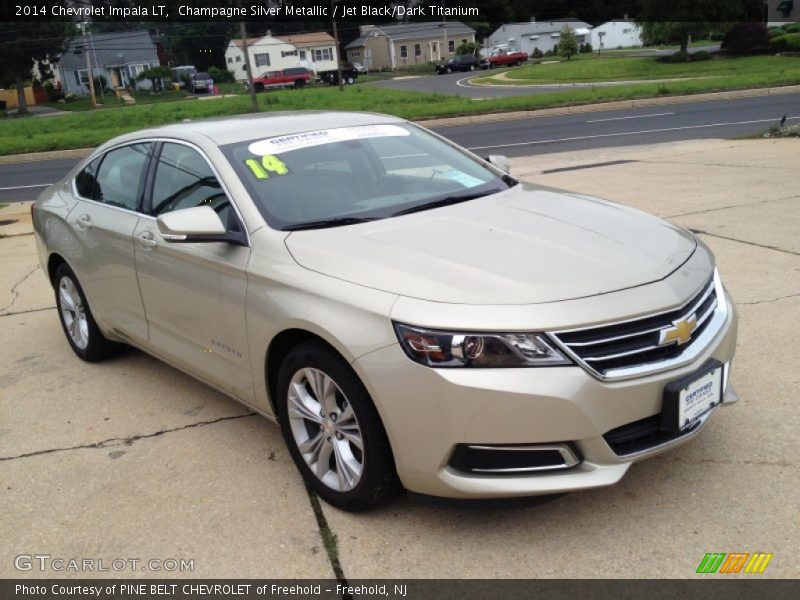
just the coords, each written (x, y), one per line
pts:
(100, 83)
(746, 37)
(774, 32)
(786, 43)
(679, 57)
(792, 28)
(220, 75)
(701, 55)
(586, 48)
(537, 53)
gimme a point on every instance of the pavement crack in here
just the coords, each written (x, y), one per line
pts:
(329, 540)
(708, 210)
(15, 290)
(771, 300)
(25, 312)
(731, 239)
(112, 442)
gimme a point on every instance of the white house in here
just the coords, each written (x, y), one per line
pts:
(533, 34)
(616, 34)
(315, 51)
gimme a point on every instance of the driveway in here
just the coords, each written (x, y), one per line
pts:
(458, 84)
(131, 458)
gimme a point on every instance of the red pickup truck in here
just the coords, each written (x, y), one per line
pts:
(296, 77)
(504, 58)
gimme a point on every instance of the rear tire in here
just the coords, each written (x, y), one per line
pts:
(299, 84)
(80, 328)
(259, 87)
(349, 81)
(491, 65)
(333, 431)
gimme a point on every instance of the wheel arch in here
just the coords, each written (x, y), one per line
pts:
(54, 261)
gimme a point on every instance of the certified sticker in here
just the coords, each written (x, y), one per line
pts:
(308, 139)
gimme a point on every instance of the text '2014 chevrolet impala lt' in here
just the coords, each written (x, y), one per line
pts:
(410, 314)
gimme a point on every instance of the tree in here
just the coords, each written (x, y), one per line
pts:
(567, 42)
(467, 48)
(679, 20)
(27, 44)
(154, 74)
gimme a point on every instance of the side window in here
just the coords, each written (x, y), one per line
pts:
(86, 181)
(119, 176)
(184, 180)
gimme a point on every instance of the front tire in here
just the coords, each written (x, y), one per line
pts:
(333, 431)
(76, 318)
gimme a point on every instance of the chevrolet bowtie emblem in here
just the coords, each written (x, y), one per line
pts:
(679, 333)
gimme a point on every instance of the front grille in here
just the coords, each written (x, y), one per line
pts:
(607, 348)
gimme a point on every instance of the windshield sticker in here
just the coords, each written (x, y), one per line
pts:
(268, 165)
(468, 181)
(287, 143)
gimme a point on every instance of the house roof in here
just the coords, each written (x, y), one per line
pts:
(303, 40)
(111, 49)
(413, 31)
(238, 41)
(536, 28)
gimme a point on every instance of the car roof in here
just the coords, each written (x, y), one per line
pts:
(229, 130)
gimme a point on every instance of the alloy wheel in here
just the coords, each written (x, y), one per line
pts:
(325, 429)
(73, 312)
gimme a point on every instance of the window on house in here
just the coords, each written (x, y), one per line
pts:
(403, 52)
(626, 30)
(285, 53)
(239, 58)
(230, 60)
(322, 54)
(262, 59)
(355, 54)
(451, 45)
(82, 77)
(417, 50)
(136, 69)
(302, 54)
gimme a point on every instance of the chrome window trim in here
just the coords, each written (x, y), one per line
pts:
(155, 140)
(693, 349)
(569, 457)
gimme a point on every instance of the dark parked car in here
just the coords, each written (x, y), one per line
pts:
(349, 75)
(463, 62)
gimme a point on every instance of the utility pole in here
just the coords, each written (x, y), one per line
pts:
(92, 97)
(253, 99)
(336, 39)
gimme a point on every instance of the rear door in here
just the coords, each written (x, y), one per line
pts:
(194, 293)
(109, 192)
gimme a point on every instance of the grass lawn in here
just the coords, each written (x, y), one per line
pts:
(630, 68)
(90, 128)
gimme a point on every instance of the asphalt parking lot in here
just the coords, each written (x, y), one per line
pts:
(130, 458)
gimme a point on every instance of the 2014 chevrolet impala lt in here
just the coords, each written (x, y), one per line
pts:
(409, 313)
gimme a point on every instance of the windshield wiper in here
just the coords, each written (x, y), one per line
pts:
(335, 222)
(446, 201)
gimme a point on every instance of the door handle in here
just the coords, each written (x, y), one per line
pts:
(84, 221)
(146, 239)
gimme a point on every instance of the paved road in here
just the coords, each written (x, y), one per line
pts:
(541, 135)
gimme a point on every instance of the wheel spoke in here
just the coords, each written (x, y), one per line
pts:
(301, 405)
(346, 472)
(312, 445)
(324, 458)
(66, 299)
(353, 435)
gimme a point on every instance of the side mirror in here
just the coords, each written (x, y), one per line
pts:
(191, 225)
(500, 161)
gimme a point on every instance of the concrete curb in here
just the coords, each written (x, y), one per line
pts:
(501, 116)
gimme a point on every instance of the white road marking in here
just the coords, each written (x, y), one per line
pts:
(631, 117)
(605, 135)
(24, 187)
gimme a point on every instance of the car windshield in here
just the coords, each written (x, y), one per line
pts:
(201, 76)
(340, 176)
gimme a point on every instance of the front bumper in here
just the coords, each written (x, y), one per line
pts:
(429, 412)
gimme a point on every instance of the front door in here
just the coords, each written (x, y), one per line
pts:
(103, 223)
(194, 293)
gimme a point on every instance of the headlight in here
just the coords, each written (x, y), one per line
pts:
(477, 350)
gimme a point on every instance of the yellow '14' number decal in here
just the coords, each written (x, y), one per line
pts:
(268, 164)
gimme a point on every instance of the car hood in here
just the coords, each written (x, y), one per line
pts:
(525, 245)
